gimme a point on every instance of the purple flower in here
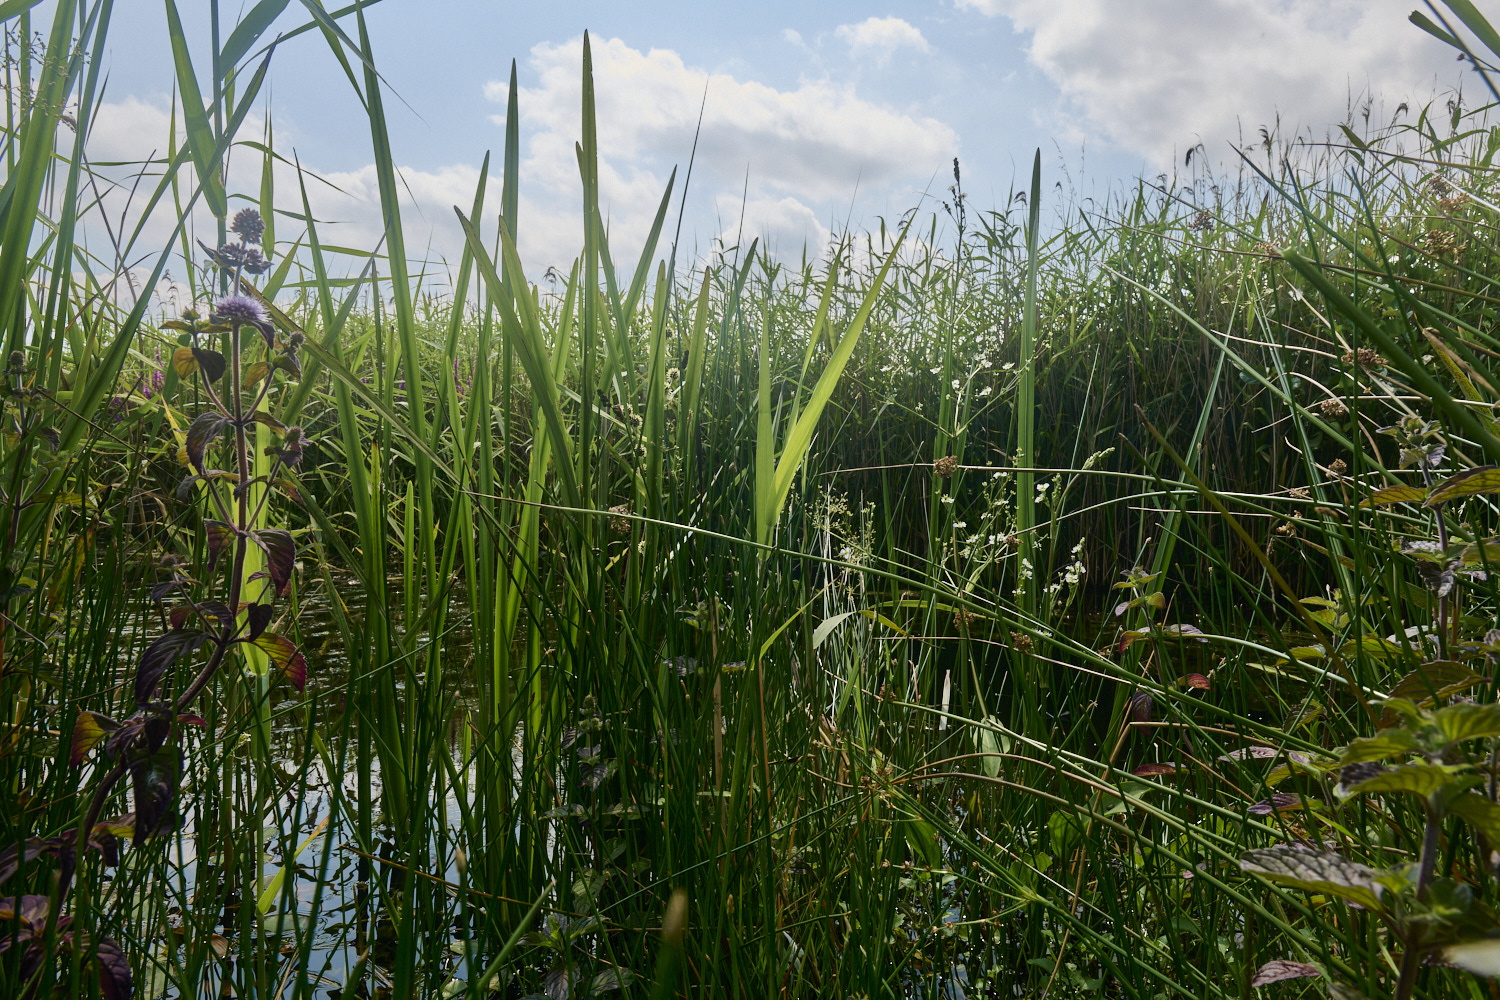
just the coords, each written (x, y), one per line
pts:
(248, 225)
(242, 310)
(151, 386)
(239, 309)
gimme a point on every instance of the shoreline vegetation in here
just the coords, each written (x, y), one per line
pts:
(973, 610)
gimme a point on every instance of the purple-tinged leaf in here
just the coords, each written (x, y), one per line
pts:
(1140, 706)
(258, 616)
(104, 838)
(285, 655)
(262, 417)
(88, 732)
(219, 536)
(160, 656)
(1197, 682)
(22, 918)
(1279, 969)
(211, 362)
(1154, 770)
(1279, 802)
(202, 433)
(114, 970)
(281, 555)
(34, 847)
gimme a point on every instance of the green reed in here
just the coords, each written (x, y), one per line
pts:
(668, 652)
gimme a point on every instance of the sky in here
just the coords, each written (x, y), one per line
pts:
(817, 118)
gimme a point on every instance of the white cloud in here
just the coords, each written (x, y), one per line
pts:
(1158, 76)
(881, 36)
(787, 156)
(784, 226)
(788, 152)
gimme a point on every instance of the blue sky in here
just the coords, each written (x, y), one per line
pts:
(818, 116)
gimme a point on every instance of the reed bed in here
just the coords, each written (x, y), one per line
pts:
(1068, 599)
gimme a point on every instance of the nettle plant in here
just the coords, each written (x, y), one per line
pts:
(1439, 748)
(218, 616)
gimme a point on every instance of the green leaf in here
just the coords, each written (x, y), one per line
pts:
(799, 439)
(923, 838)
(1437, 679)
(1472, 482)
(273, 887)
(1386, 743)
(826, 626)
(1418, 778)
(88, 732)
(1354, 140)
(1467, 722)
(247, 31)
(200, 134)
(1324, 872)
(1395, 494)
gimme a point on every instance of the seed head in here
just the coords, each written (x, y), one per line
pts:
(945, 466)
(1333, 408)
(1365, 357)
(618, 524)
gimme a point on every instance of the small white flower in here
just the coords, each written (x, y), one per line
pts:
(955, 383)
(1007, 366)
(936, 371)
(946, 499)
(960, 524)
(985, 391)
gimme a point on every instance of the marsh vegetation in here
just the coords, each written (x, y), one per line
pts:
(1059, 600)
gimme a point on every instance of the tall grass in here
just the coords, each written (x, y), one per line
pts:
(752, 630)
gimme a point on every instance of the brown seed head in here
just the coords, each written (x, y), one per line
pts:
(945, 466)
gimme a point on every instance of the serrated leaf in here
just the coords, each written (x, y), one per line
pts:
(1280, 802)
(211, 363)
(1279, 969)
(1436, 679)
(159, 656)
(262, 417)
(285, 656)
(1471, 482)
(183, 363)
(219, 536)
(113, 969)
(1386, 743)
(1313, 871)
(255, 373)
(281, 555)
(1395, 494)
(88, 732)
(1467, 722)
(205, 428)
(1420, 779)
